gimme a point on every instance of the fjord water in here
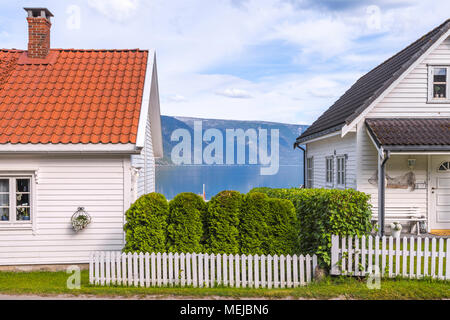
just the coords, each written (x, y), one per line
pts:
(172, 179)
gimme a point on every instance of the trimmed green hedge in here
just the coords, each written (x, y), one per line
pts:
(283, 233)
(323, 212)
(185, 230)
(146, 224)
(223, 222)
(267, 225)
(265, 221)
(253, 227)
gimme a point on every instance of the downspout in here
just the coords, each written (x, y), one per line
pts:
(382, 190)
(304, 163)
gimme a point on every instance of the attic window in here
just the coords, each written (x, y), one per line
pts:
(438, 84)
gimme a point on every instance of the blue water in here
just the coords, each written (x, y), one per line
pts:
(171, 180)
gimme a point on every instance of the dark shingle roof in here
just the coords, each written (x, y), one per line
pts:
(410, 131)
(370, 86)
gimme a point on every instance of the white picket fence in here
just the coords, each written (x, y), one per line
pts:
(411, 257)
(200, 270)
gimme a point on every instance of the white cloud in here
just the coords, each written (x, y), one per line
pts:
(175, 98)
(199, 43)
(325, 36)
(234, 93)
(118, 10)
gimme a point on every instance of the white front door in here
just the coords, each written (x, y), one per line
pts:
(440, 193)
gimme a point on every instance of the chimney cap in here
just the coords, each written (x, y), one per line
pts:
(39, 12)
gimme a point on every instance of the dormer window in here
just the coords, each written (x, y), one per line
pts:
(438, 84)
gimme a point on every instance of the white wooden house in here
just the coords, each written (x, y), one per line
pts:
(78, 128)
(392, 126)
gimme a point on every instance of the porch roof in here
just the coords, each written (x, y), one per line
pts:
(410, 134)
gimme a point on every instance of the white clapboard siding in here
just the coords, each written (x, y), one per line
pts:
(411, 257)
(146, 161)
(333, 146)
(409, 97)
(396, 166)
(62, 184)
(200, 270)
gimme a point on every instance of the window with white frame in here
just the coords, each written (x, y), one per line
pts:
(309, 172)
(438, 89)
(329, 168)
(340, 172)
(15, 199)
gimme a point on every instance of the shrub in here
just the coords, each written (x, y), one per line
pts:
(324, 212)
(223, 222)
(282, 228)
(185, 223)
(253, 227)
(146, 224)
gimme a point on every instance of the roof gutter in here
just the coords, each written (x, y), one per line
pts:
(128, 148)
(333, 131)
(408, 148)
(304, 161)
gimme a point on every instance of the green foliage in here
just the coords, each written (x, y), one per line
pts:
(324, 212)
(223, 222)
(282, 228)
(146, 224)
(253, 227)
(185, 231)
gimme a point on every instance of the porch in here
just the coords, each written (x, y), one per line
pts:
(413, 173)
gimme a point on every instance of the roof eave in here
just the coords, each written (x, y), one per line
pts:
(354, 117)
(304, 139)
(409, 148)
(149, 111)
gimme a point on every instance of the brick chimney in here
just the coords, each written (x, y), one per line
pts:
(38, 32)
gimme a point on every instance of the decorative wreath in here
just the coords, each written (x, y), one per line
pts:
(80, 219)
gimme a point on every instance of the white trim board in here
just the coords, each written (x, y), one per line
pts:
(127, 148)
(143, 114)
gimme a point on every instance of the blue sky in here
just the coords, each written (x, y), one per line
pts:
(273, 60)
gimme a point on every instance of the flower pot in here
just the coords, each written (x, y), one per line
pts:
(396, 233)
(4, 218)
(26, 218)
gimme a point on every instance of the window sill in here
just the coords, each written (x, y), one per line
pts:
(438, 100)
(16, 226)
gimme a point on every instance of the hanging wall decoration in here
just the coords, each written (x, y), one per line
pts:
(80, 219)
(408, 180)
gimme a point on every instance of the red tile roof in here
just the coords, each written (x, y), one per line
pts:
(74, 96)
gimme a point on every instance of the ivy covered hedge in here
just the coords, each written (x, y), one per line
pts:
(324, 212)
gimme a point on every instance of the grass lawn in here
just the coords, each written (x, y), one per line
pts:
(54, 283)
(401, 260)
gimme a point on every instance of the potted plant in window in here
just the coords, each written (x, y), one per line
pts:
(26, 216)
(4, 217)
(396, 229)
(23, 214)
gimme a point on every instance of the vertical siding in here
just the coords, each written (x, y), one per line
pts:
(409, 97)
(322, 149)
(63, 184)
